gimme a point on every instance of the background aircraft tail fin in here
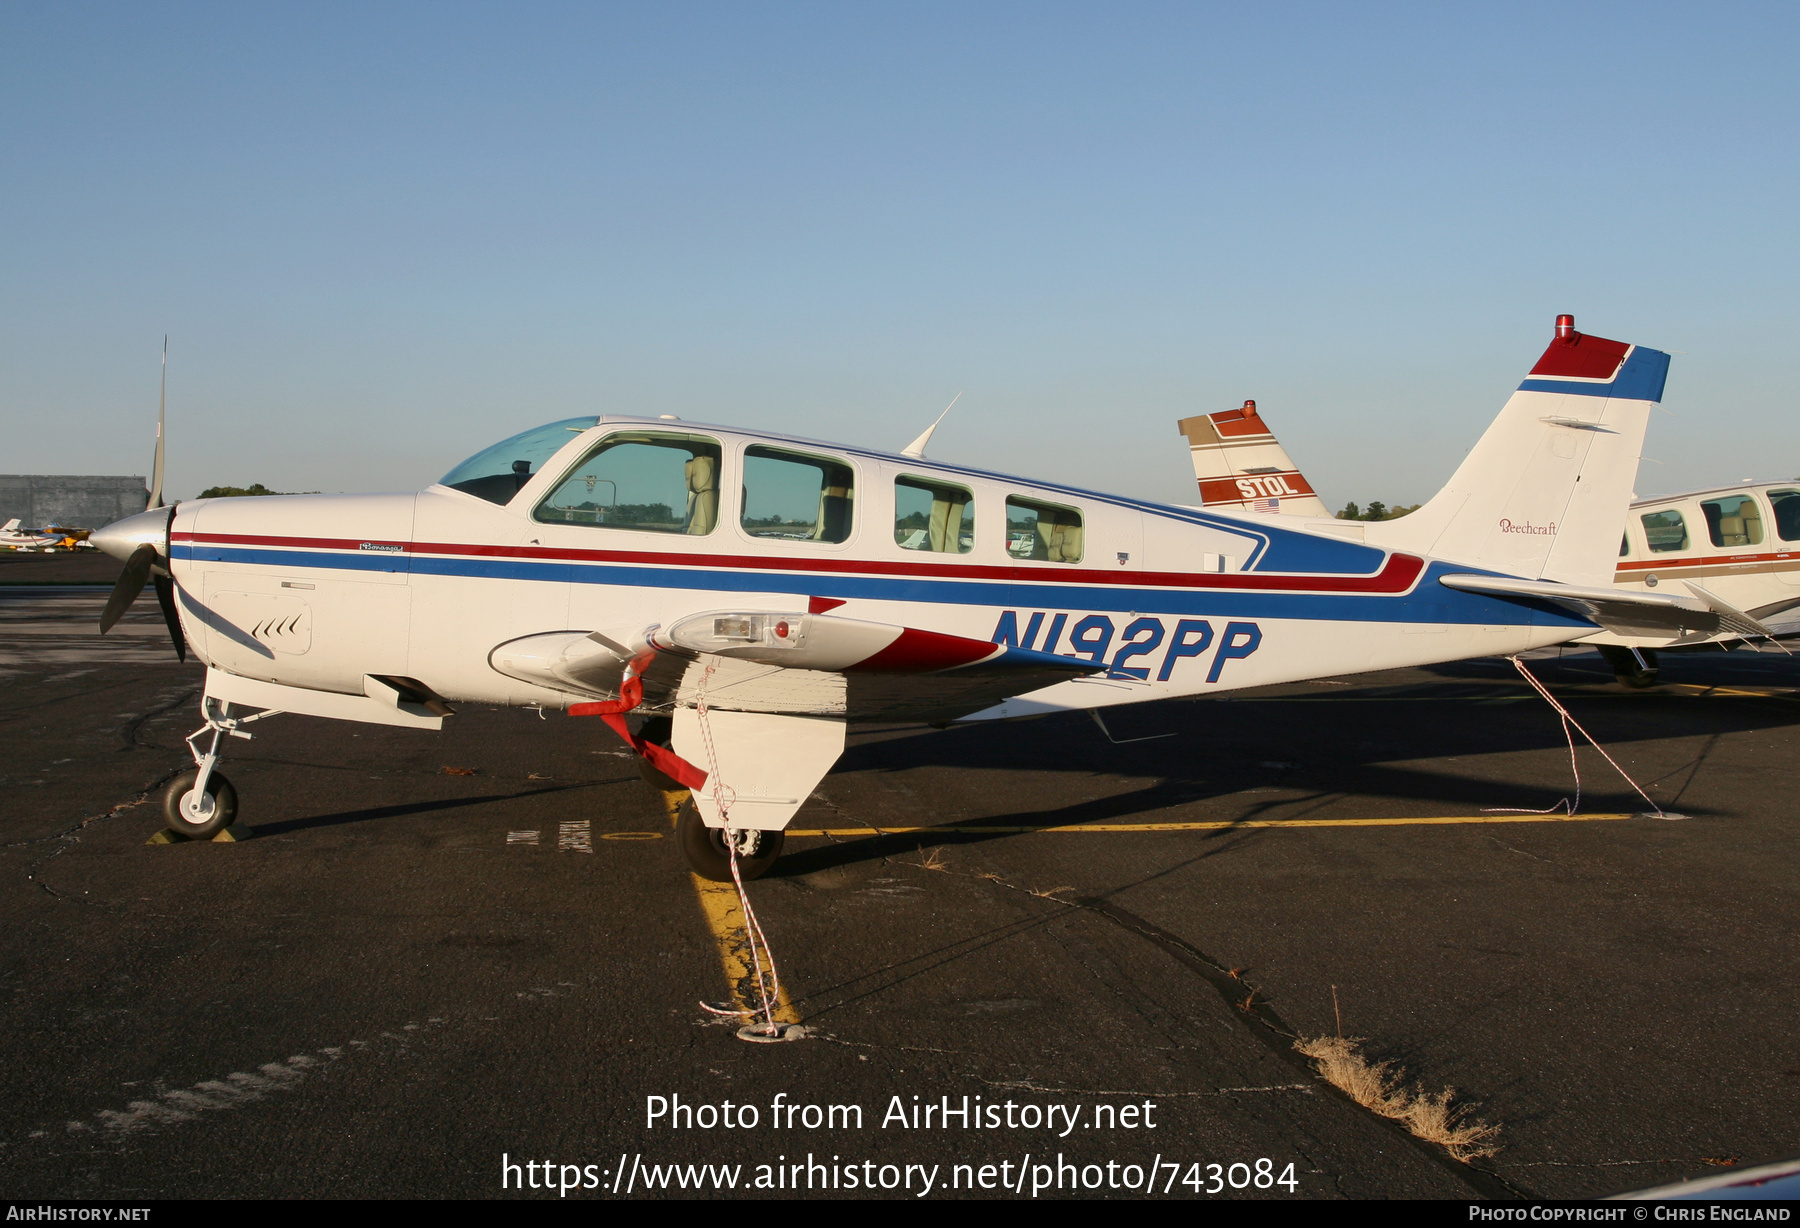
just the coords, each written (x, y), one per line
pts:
(1544, 493)
(10, 525)
(1242, 468)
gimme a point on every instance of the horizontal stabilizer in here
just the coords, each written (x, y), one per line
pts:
(1620, 610)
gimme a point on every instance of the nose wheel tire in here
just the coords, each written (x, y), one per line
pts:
(199, 816)
(704, 848)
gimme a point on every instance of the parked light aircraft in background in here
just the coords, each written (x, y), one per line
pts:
(1740, 543)
(12, 537)
(751, 593)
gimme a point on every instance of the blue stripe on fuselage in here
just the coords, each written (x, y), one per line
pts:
(1430, 602)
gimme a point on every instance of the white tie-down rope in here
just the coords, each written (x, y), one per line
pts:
(759, 945)
(1568, 720)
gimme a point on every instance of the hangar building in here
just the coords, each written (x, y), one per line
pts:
(73, 502)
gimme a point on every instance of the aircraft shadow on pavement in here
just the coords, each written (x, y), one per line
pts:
(1395, 742)
(283, 826)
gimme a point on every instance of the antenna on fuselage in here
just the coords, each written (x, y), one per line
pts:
(162, 404)
(917, 446)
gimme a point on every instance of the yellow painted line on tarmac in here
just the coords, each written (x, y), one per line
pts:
(1722, 690)
(1218, 826)
(725, 918)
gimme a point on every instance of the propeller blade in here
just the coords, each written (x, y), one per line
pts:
(131, 583)
(165, 597)
(162, 402)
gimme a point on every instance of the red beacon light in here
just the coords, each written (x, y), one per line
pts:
(1565, 327)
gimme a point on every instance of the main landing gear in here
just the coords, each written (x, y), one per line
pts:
(708, 855)
(1633, 667)
(704, 847)
(200, 803)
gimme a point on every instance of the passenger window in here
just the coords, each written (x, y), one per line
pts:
(1042, 531)
(1665, 531)
(1787, 514)
(933, 516)
(1734, 520)
(1624, 545)
(795, 497)
(651, 482)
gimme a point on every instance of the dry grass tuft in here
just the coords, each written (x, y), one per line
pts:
(1377, 1087)
(934, 860)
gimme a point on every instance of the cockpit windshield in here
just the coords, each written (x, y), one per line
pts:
(497, 473)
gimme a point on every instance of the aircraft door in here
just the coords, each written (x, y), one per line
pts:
(1784, 533)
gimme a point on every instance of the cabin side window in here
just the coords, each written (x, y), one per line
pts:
(1624, 545)
(934, 516)
(1787, 514)
(790, 496)
(1733, 520)
(1045, 531)
(648, 481)
(1665, 531)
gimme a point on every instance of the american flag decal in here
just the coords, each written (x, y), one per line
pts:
(1271, 506)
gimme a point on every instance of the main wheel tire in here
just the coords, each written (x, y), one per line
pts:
(704, 848)
(1637, 679)
(200, 822)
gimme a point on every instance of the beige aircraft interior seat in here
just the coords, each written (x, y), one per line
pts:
(835, 503)
(1057, 542)
(944, 530)
(703, 495)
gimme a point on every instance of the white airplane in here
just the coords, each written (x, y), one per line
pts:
(750, 594)
(1725, 538)
(14, 538)
(1747, 559)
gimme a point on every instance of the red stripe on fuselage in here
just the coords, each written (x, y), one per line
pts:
(1707, 560)
(1396, 575)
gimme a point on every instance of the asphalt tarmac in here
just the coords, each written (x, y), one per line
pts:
(432, 951)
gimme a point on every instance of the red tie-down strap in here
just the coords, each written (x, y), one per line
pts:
(664, 760)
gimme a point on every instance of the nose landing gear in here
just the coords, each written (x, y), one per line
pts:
(201, 803)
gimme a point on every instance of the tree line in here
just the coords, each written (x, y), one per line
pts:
(1375, 511)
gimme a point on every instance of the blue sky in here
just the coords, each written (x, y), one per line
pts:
(384, 236)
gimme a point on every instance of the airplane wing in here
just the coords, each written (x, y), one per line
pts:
(1624, 611)
(797, 664)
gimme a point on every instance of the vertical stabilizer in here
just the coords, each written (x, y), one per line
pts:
(1242, 468)
(1545, 492)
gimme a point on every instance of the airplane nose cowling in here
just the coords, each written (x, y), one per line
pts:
(121, 537)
